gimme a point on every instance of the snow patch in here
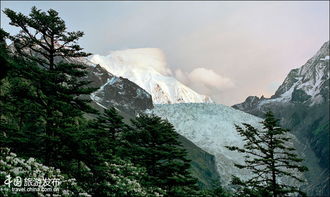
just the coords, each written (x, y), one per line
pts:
(317, 100)
(97, 99)
(325, 58)
(112, 81)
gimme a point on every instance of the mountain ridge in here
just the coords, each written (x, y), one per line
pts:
(308, 84)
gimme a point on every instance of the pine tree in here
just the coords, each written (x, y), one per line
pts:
(50, 53)
(109, 128)
(152, 143)
(102, 138)
(268, 157)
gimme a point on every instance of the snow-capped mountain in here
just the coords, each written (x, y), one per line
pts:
(147, 68)
(307, 85)
(114, 91)
(211, 127)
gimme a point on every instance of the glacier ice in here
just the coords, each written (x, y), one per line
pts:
(211, 127)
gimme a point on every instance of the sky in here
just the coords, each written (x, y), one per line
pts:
(228, 50)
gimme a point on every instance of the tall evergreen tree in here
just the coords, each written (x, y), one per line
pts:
(51, 51)
(98, 146)
(152, 143)
(269, 158)
(109, 128)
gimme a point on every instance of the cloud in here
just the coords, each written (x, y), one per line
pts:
(181, 76)
(145, 58)
(204, 80)
(141, 58)
(210, 78)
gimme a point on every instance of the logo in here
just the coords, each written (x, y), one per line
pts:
(18, 184)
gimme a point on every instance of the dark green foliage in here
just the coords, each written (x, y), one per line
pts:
(203, 165)
(97, 145)
(299, 96)
(217, 191)
(152, 143)
(4, 64)
(46, 49)
(109, 129)
(268, 157)
(41, 105)
(311, 123)
(20, 117)
(320, 143)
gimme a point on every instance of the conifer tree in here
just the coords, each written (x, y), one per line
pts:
(269, 158)
(152, 143)
(102, 138)
(109, 128)
(51, 55)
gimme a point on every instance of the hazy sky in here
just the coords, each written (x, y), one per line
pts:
(227, 50)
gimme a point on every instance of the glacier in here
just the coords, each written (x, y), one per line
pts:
(212, 127)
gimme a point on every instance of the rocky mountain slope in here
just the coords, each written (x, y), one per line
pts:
(117, 92)
(302, 104)
(212, 127)
(147, 68)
